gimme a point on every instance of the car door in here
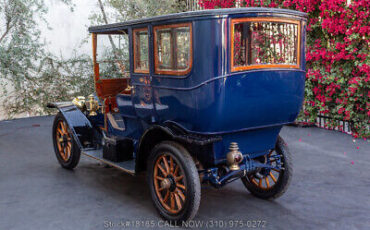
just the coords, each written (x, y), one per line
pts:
(142, 95)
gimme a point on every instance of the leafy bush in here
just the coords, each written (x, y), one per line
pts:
(338, 62)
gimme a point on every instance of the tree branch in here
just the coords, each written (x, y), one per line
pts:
(120, 64)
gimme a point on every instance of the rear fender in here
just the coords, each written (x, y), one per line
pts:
(200, 147)
(81, 128)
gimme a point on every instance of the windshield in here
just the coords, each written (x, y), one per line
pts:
(264, 43)
(112, 55)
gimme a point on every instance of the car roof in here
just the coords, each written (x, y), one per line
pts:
(195, 14)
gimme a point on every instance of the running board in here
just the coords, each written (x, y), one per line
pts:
(97, 154)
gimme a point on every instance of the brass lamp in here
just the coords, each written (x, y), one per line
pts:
(92, 105)
(234, 157)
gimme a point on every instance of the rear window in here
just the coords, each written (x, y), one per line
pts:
(264, 43)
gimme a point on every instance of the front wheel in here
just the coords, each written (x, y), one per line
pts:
(174, 182)
(66, 150)
(271, 183)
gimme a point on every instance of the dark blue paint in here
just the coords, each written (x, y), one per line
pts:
(247, 107)
(81, 127)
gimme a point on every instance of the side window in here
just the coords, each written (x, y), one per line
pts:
(173, 49)
(141, 50)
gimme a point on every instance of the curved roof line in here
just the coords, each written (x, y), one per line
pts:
(200, 13)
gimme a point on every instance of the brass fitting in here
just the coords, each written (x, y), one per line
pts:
(92, 105)
(234, 157)
(79, 102)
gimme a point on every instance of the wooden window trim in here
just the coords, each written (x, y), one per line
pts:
(95, 63)
(264, 66)
(136, 70)
(172, 72)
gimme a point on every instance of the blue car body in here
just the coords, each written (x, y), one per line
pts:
(211, 106)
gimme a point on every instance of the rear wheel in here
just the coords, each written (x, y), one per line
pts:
(271, 183)
(174, 182)
(66, 149)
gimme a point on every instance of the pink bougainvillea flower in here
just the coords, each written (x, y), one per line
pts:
(358, 147)
(300, 139)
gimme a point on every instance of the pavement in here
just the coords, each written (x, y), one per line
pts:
(330, 188)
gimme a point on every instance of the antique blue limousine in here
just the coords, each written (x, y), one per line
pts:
(191, 98)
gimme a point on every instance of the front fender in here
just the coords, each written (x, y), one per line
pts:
(81, 128)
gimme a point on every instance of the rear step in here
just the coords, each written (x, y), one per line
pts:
(97, 154)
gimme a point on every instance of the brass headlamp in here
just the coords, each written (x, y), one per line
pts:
(79, 102)
(92, 105)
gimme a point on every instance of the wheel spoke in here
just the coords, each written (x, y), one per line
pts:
(254, 181)
(179, 178)
(166, 164)
(182, 196)
(162, 170)
(180, 186)
(267, 182)
(166, 196)
(172, 201)
(63, 153)
(67, 151)
(176, 170)
(171, 165)
(276, 170)
(178, 201)
(63, 128)
(59, 145)
(60, 131)
(273, 177)
(260, 183)
(159, 178)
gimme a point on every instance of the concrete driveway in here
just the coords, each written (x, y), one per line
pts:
(330, 187)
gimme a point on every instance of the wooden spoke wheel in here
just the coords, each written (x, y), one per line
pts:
(169, 183)
(66, 150)
(64, 140)
(271, 183)
(173, 182)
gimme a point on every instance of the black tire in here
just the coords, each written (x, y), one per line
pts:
(283, 181)
(190, 180)
(74, 151)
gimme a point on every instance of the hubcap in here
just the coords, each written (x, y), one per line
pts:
(166, 183)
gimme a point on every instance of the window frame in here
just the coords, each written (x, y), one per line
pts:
(134, 36)
(157, 70)
(264, 66)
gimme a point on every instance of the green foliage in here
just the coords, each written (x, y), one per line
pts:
(123, 10)
(35, 76)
